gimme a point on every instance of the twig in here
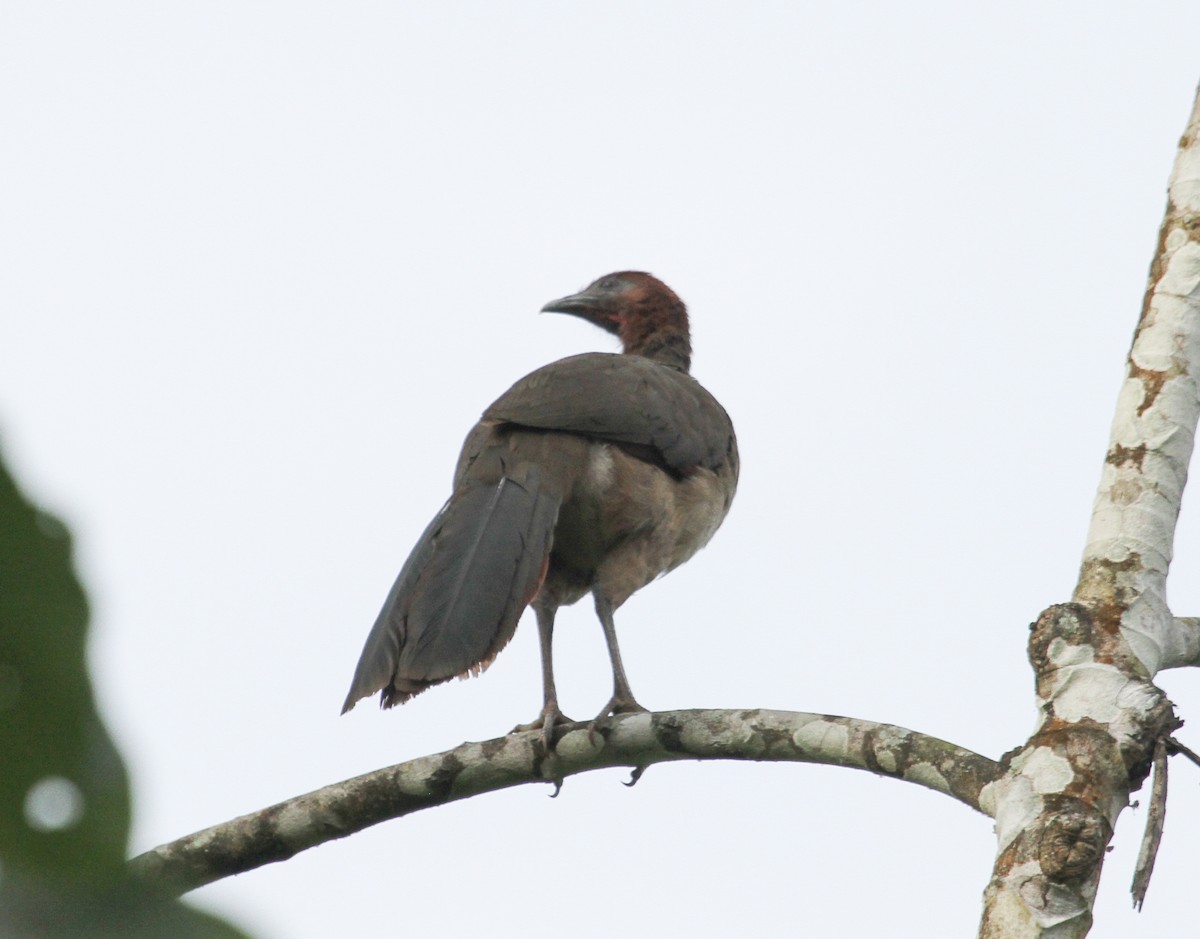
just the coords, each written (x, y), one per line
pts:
(1174, 746)
(1154, 826)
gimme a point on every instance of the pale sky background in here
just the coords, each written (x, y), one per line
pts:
(265, 263)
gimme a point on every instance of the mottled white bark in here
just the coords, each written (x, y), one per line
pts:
(1187, 635)
(1101, 715)
(635, 740)
(1132, 533)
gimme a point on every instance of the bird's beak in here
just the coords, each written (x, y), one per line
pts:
(577, 304)
(596, 308)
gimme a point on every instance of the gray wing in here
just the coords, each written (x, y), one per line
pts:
(625, 399)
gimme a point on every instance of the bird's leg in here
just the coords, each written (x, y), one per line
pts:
(551, 715)
(622, 701)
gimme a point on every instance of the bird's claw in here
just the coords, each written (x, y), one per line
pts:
(550, 718)
(617, 704)
(621, 704)
(633, 777)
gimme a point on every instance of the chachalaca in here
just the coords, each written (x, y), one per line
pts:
(596, 473)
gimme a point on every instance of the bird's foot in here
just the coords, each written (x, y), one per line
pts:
(620, 704)
(617, 704)
(550, 718)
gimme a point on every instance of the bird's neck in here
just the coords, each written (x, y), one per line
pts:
(661, 335)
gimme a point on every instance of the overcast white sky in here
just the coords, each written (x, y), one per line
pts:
(265, 263)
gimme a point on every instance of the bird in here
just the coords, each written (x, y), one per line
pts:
(594, 474)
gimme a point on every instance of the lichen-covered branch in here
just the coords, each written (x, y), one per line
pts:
(636, 740)
(1187, 642)
(1057, 802)
(1132, 532)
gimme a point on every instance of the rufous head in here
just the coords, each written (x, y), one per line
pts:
(646, 314)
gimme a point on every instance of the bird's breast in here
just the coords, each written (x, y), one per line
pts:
(600, 474)
(627, 521)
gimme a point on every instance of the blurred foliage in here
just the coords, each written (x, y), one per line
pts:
(64, 791)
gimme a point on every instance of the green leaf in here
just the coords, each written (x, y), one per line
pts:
(64, 790)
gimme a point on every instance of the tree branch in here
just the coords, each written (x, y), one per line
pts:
(1155, 817)
(1132, 532)
(1094, 659)
(637, 740)
(1187, 644)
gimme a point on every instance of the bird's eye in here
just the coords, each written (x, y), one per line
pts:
(608, 283)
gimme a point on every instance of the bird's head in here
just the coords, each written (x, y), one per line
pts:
(646, 314)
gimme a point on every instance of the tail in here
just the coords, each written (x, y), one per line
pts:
(457, 600)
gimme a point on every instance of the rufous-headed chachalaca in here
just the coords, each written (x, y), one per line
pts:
(595, 474)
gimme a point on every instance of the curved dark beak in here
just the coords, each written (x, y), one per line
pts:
(578, 304)
(587, 305)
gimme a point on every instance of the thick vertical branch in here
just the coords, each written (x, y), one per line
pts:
(1094, 659)
(1132, 533)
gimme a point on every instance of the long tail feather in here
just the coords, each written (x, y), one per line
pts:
(457, 600)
